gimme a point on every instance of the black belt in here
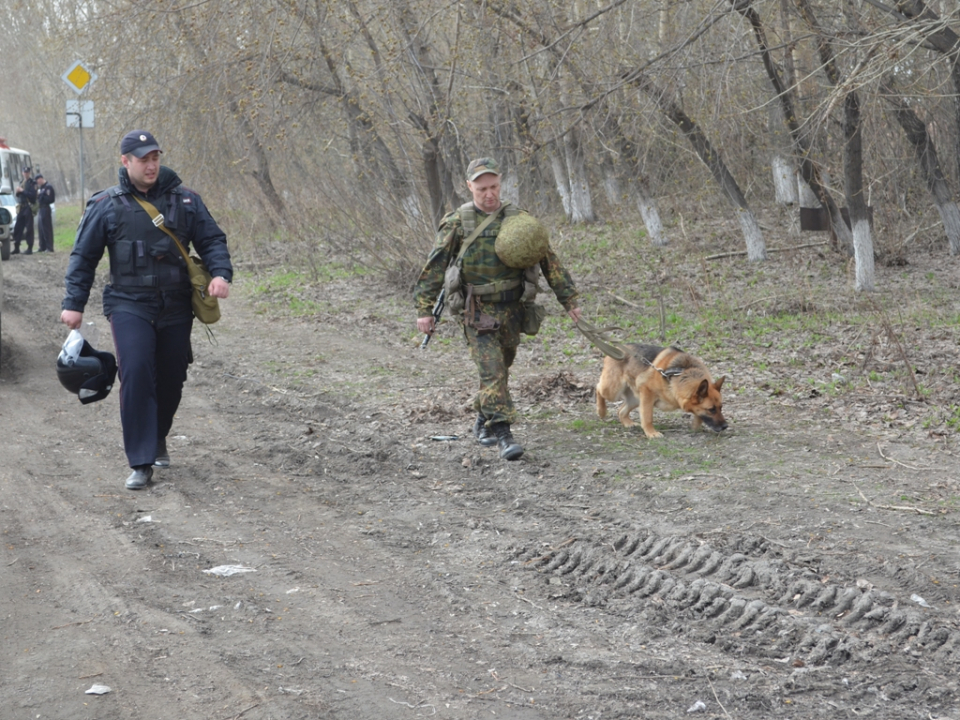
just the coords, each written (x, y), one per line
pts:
(146, 282)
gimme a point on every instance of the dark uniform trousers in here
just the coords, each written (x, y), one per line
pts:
(23, 229)
(45, 228)
(152, 365)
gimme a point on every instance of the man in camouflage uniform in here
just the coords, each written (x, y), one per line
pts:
(498, 290)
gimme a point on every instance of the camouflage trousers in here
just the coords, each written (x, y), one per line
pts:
(493, 355)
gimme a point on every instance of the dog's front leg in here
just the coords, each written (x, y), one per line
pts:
(647, 400)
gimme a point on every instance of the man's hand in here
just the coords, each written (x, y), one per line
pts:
(71, 318)
(219, 288)
(426, 324)
(575, 314)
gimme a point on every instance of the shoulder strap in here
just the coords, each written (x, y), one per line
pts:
(468, 217)
(158, 221)
(476, 233)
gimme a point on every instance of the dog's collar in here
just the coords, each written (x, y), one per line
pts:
(668, 373)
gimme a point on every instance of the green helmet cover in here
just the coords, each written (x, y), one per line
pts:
(522, 241)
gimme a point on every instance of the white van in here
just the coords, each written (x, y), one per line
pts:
(12, 163)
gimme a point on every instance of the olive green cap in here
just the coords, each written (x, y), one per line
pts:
(481, 166)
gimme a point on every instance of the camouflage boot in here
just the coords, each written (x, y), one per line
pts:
(482, 432)
(510, 449)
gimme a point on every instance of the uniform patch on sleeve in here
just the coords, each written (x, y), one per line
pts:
(187, 200)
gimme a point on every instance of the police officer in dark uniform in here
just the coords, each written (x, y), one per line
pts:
(45, 198)
(148, 296)
(27, 196)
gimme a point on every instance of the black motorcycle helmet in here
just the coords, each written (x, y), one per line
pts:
(89, 373)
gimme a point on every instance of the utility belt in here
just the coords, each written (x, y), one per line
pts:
(502, 291)
(150, 282)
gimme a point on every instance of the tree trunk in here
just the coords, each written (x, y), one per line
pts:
(650, 213)
(581, 201)
(561, 180)
(852, 156)
(853, 185)
(784, 181)
(611, 181)
(756, 249)
(431, 170)
(633, 172)
(916, 133)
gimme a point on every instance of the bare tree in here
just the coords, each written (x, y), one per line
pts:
(916, 133)
(756, 248)
(852, 150)
(809, 170)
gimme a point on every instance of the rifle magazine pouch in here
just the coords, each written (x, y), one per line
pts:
(454, 295)
(533, 315)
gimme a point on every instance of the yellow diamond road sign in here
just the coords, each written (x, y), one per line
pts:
(78, 77)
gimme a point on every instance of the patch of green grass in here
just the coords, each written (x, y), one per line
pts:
(953, 421)
(65, 226)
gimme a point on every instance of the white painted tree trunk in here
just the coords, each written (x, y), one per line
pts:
(784, 182)
(863, 254)
(611, 187)
(756, 248)
(581, 202)
(562, 182)
(651, 219)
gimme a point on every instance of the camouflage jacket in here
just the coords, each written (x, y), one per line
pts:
(481, 264)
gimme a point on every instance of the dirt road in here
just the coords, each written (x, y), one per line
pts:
(801, 565)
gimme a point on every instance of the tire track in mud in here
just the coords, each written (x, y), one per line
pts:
(764, 606)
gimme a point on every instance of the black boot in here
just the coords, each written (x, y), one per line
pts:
(163, 457)
(510, 449)
(482, 432)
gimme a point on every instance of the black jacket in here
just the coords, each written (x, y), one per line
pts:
(46, 196)
(99, 230)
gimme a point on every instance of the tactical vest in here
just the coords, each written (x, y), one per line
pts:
(503, 290)
(143, 256)
(468, 218)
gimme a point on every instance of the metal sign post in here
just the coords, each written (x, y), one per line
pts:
(79, 112)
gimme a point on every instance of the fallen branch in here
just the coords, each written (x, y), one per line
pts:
(735, 253)
(78, 622)
(904, 508)
(894, 460)
(626, 302)
(717, 698)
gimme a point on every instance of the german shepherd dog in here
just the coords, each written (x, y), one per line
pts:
(667, 378)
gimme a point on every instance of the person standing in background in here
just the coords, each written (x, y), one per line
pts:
(45, 198)
(26, 197)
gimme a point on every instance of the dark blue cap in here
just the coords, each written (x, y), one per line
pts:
(138, 143)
